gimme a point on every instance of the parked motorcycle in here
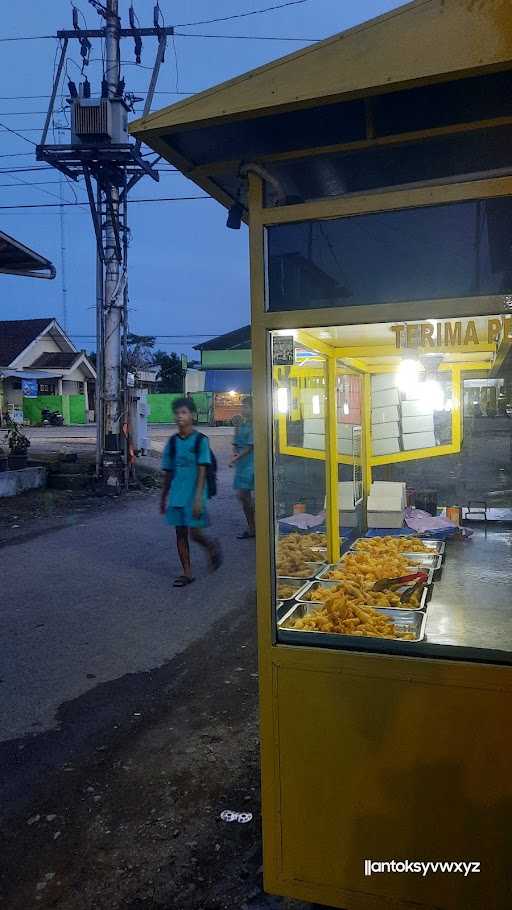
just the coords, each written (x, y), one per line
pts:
(51, 418)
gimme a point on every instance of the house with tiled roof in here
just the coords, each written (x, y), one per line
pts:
(41, 367)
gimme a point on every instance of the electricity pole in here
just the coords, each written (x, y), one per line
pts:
(101, 150)
(59, 127)
(112, 459)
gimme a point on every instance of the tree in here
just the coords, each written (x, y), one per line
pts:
(140, 351)
(171, 375)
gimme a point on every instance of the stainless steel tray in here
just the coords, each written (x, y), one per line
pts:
(437, 546)
(299, 584)
(406, 620)
(322, 575)
(314, 569)
(312, 585)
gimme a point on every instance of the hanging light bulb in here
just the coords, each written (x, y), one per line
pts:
(408, 375)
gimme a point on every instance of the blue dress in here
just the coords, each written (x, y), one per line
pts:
(183, 487)
(244, 468)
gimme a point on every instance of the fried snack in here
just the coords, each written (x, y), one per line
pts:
(296, 550)
(387, 599)
(366, 568)
(285, 591)
(392, 545)
(341, 614)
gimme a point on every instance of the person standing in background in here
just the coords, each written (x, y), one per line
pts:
(243, 462)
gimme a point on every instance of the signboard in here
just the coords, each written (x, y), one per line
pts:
(29, 388)
(184, 362)
(282, 350)
(452, 333)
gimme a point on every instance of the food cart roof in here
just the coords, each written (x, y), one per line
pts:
(315, 97)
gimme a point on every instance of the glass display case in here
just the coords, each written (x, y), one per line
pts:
(385, 438)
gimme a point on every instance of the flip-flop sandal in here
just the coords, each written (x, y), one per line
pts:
(182, 581)
(246, 536)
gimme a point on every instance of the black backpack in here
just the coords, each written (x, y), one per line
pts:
(211, 469)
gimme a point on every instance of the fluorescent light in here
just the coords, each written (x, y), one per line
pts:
(282, 401)
(407, 374)
(315, 403)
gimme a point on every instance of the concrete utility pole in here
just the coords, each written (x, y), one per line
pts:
(112, 466)
(100, 150)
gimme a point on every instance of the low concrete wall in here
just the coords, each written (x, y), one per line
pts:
(14, 482)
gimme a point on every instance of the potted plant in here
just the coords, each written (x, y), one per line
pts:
(18, 445)
(3, 460)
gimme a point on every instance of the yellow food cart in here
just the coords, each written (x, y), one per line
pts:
(374, 170)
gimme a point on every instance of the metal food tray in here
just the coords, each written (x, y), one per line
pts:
(406, 620)
(299, 583)
(437, 546)
(311, 585)
(316, 568)
(322, 576)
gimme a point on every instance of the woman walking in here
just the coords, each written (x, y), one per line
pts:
(243, 462)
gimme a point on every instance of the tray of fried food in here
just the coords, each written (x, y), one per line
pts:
(402, 597)
(362, 568)
(297, 558)
(308, 545)
(289, 588)
(341, 615)
(405, 543)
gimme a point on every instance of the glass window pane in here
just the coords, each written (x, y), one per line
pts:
(422, 509)
(458, 250)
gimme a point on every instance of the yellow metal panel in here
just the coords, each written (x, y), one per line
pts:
(367, 435)
(391, 350)
(365, 203)
(384, 53)
(378, 760)
(331, 465)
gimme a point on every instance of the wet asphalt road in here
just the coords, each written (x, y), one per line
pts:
(93, 603)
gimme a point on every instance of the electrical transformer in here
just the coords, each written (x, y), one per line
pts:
(99, 119)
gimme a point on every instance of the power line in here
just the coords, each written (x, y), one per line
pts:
(249, 37)
(56, 205)
(15, 133)
(256, 12)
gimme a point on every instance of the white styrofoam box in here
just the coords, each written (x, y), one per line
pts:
(386, 414)
(382, 381)
(386, 446)
(384, 489)
(424, 424)
(345, 447)
(418, 441)
(346, 495)
(314, 441)
(385, 397)
(314, 425)
(416, 408)
(384, 504)
(345, 430)
(386, 430)
(387, 485)
(384, 519)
